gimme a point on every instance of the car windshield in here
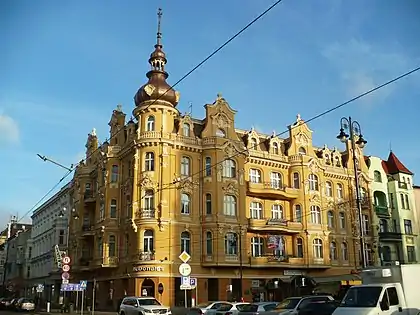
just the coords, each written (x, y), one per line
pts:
(204, 305)
(361, 297)
(248, 308)
(148, 302)
(288, 304)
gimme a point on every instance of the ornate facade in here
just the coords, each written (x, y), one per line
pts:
(244, 205)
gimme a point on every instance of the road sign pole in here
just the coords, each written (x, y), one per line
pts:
(83, 298)
(77, 300)
(93, 296)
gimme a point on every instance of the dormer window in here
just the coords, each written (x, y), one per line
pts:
(377, 176)
(220, 133)
(275, 148)
(253, 144)
(186, 130)
(150, 125)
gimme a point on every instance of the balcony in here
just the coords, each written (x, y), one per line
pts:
(274, 225)
(87, 229)
(110, 262)
(272, 191)
(382, 210)
(402, 185)
(390, 237)
(89, 196)
(273, 261)
(146, 256)
(146, 214)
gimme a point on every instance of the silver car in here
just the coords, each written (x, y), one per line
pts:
(133, 305)
(257, 308)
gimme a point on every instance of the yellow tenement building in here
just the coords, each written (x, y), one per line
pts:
(255, 212)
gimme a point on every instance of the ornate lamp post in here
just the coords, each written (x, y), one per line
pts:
(356, 138)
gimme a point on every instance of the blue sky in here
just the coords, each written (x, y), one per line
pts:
(65, 65)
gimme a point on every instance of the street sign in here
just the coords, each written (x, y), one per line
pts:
(65, 281)
(193, 282)
(65, 276)
(185, 281)
(40, 288)
(66, 268)
(71, 287)
(83, 284)
(185, 287)
(66, 260)
(185, 269)
(185, 257)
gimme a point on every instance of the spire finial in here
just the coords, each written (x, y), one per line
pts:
(159, 33)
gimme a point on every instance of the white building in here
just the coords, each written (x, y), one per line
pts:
(49, 228)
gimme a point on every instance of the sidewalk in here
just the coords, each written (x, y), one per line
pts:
(56, 312)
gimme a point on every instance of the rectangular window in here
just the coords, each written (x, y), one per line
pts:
(185, 166)
(114, 173)
(411, 254)
(208, 204)
(61, 237)
(208, 167)
(113, 209)
(408, 228)
(407, 203)
(402, 201)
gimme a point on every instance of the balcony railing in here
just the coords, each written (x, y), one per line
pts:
(382, 210)
(146, 213)
(272, 189)
(146, 256)
(402, 185)
(390, 236)
(88, 194)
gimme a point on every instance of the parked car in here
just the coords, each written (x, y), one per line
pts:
(203, 308)
(25, 304)
(292, 305)
(134, 305)
(232, 309)
(319, 308)
(257, 308)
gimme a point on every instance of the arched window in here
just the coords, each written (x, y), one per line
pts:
(186, 130)
(114, 173)
(186, 242)
(333, 251)
(185, 204)
(257, 246)
(209, 243)
(318, 248)
(229, 168)
(328, 189)
(208, 204)
(344, 251)
(340, 194)
(220, 133)
(254, 175)
(231, 244)
(342, 218)
(253, 144)
(149, 162)
(207, 167)
(148, 241)
(296, 180)
(229, 205)
(185, 166)
(256, 210)
(275, 148)
(299, 248)
(298, 213)
(330, 216)
(302, 151)
(277, 212)
(150, 124)
(113, 209)
(149, 203)
(313, 182)
(276, 180)
(315, 215)
(377, 176)
(112, 252)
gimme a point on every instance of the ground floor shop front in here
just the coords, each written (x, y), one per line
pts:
(217, 284)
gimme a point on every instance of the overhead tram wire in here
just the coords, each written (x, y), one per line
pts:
(261, 15)
(304, 122)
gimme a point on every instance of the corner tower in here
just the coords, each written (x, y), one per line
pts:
(156, 95)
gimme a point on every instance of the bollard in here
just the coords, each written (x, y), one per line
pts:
(48, 307)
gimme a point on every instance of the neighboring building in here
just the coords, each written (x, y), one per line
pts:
(269, 213)
(12, 227)
(395, 208)
(417, 202)
(16, 261)
(50, 228)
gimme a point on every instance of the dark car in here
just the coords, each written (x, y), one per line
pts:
(318, 308)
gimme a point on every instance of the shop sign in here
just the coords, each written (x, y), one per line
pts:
(147, 268)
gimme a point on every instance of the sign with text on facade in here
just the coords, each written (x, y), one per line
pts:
(147, 269)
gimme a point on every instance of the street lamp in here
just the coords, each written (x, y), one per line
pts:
(355, 131)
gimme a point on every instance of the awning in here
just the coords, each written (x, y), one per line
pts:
(347, 279)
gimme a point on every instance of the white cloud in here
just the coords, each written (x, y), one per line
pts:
(9, 129)
(363, 66)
